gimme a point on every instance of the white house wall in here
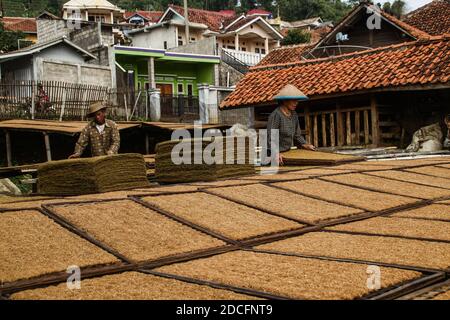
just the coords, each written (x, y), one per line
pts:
(156, 37)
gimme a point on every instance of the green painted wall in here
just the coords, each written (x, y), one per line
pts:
(174, 73)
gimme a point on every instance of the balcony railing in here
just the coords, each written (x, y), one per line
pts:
(248, 58)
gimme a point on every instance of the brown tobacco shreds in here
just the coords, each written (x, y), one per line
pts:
(294, 277)
(285, 202)
(138, 233)
(33, 245)
(330, 191)
(130, 286)
(415, 228)
(406, 252)
(225, 217)
(414, 178)
(390, 186)
(435, 211)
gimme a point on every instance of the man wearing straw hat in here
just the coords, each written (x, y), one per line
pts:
(102, 134)
(285, 119)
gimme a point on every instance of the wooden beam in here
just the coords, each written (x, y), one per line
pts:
(332, 134)
(308, 126)
(8, 149)
(147, 143)
(316, 132)
(357, 128)
(324, 131)
(340, 126)
(48, 150)
(375, 121)
(366, 128)
(348, 128)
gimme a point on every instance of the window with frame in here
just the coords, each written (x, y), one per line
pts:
(180, 41)
(180, 89)
(190, 89)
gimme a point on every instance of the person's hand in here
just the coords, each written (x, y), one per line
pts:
(74, 156)
(309, 147)
(280, 160)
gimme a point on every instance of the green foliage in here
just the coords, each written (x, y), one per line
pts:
(290, 9)
(8, 39)
(296, 37)
(396, 8)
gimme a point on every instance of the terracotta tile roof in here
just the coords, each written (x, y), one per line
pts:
(213, 19)
(286, 54)
(152, 16)
(258, 12)
(241, 23)
(414, 63)
(26, 25)
(433, 18)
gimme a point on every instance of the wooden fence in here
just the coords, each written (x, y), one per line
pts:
(340, 127)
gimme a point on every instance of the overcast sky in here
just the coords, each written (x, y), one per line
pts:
(410, 4)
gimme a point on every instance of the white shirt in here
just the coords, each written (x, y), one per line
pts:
(100, 128)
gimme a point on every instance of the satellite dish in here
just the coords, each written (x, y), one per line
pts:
(342, 37)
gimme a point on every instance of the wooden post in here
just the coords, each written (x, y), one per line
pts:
(375, 121)
(324, 130)
(33, 101)
(147, 143)
(348, 128)
(308, 126)
(332, 134)
(63, 107)
(357, 128)
(340, 126)
(8, 149)
(366, 128)
(47, 146)
(126, 106)
(316, 133)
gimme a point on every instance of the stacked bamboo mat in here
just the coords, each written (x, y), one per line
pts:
(93, 175)
(312, 158)
(237, 161)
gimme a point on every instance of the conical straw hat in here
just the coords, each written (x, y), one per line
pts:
(290, 92)
(93, 108)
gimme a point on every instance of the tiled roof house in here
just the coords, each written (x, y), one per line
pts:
(371, 96)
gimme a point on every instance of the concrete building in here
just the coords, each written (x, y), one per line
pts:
(246, 38)
(56, 60)
(92, 10)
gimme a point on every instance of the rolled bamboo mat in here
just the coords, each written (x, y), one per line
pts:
(307, 158)
(194, 167)
(92, 175)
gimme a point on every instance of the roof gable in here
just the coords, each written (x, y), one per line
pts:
(42, 46)
(363, 9)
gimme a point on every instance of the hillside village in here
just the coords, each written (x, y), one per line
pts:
(366, 183)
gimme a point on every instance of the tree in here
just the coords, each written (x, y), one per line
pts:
(9, 39)
(296, 36)
(396, 8)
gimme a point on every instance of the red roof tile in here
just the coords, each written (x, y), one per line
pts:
(213, 19)
(152, 16)
(287, 54)
(414, 63)
(26, 25)
(433, 18)
(240, 23)
(258, 12)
